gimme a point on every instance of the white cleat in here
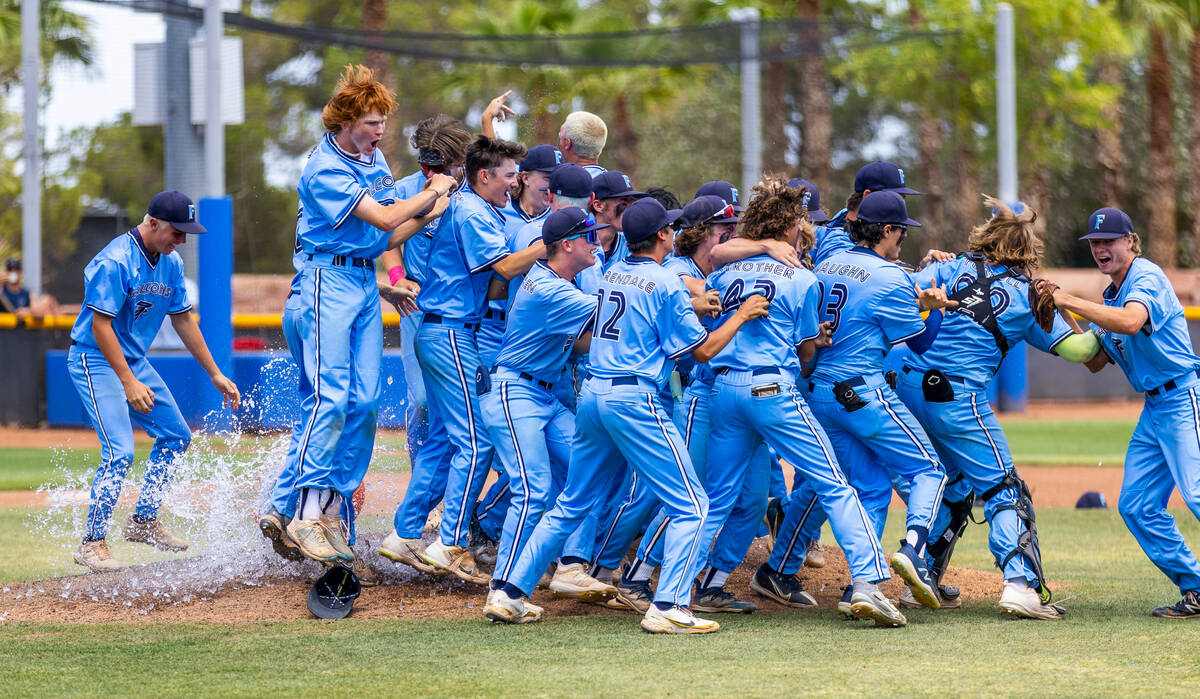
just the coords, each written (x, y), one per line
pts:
(676, 620)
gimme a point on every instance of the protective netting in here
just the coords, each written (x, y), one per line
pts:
(660, 46)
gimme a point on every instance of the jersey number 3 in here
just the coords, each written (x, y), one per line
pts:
(610, 331)
(831, 309)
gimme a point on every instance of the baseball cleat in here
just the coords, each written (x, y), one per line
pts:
(784, 589)
(95, 555)
(911, 569)
(572, 582)
(456, 560)
(1024, 602)
(152, 532)
(678, 620)
(632, 595)
(1186, 608)
(947, 602)
(273, 526)
(843, 606)
(815, 556)
(716, 600)
(406, 551)
(483, 547)
(337, 534)
(877, 607)
(367, 577)
(312, 538)
(506, 610)
(774, 520)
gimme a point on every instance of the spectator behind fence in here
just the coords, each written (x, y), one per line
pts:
(16, 299)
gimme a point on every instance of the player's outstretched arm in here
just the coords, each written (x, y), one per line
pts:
(388, 218)
(755, 306)
(1125, 320)
(139, 395)
(739, 249)
(188, 331)
(519, 262)
(412, 226)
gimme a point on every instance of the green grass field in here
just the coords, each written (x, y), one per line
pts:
(1107, 646)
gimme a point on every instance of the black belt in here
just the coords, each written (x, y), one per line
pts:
(343, 261)
(907, 370)
(857, 381)
(529, 377)
(493, 314)
(436, 319)
(685, 380)
(761, 371)
(1171, 385)
(625, 381)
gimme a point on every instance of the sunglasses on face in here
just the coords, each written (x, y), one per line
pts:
(903, 229)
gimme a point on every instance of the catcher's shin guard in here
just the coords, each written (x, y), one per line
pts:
(941, 550)
(1027, 542)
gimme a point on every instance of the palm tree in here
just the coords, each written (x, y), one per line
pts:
(65, 39)
(1162, 19)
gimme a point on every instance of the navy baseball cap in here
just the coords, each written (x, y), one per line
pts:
(707, 208)
(570, 180)
(567, 223)
(613, 184)
(643, 219)
(813, 199)
(177, 209)
(543, 158)
(881, 176)
(1108, 224)
(332, 595)
(720, 188)
(1092, 500)
(12, 263)
(884, 207)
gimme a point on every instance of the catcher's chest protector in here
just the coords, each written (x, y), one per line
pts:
(975, 299)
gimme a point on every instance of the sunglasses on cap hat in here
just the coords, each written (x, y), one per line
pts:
(590, 234)
(724, 212)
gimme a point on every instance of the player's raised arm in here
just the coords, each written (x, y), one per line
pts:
(388, 218)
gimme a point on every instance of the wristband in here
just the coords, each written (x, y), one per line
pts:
(395, 274)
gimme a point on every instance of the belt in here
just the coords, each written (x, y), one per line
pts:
(856, 382)
(761, 371)
(1172, 385)
(528, 377)
(618, 381)
(342, 260)
(435, 319)
(493, 314)
(958, 379)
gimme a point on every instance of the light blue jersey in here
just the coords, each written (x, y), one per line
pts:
(332, 185)
(795, 298)
(872, 304)
(964, 347)
(830, 238)
(134, 287)
(525, 236)
(696, 372)
(645, 320)
(469, 239)
(547, 316)
(1162, 349)
(416, 250)
(589, 279)
(595, 170)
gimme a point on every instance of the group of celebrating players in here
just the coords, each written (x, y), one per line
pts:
(631, 366)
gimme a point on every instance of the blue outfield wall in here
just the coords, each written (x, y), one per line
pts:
(267, 381)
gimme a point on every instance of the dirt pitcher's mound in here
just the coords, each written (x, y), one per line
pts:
(150, 593)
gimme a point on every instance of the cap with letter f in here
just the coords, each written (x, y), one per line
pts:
(1108, 224)
(177, 209)
(881, 176)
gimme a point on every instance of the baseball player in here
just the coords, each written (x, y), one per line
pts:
(348, 213)
(645, 320)
(873, 304)
(469, 246)
(945, 388)
(754, 392)
(531, 428)
(129, 287)
(1142, 329)
(581, 139)
(441, 143)
(876, 176)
